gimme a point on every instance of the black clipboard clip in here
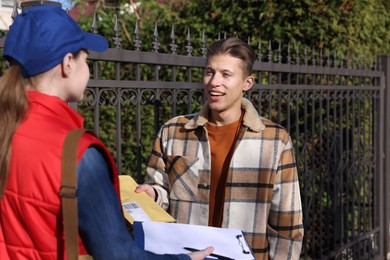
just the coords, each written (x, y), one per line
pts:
(246, 252)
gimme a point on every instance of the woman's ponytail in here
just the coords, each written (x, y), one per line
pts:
(13, 107)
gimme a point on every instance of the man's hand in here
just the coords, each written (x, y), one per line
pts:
(148, 189)
(200, 255)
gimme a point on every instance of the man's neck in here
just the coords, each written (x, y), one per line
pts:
(224, 118)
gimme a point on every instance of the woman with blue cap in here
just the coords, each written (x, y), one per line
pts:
(47, 52)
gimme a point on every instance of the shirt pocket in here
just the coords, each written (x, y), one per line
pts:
(183, 177)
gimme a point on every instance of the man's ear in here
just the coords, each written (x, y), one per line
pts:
(67, 65)
(248, 83)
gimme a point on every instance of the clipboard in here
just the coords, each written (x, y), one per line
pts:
(139, 206)
(175, 238)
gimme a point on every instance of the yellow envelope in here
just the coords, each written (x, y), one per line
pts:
(139, 206)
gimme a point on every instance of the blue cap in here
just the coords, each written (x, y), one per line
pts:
(42, 35)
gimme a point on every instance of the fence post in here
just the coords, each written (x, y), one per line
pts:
(73, 105)
(385, 62)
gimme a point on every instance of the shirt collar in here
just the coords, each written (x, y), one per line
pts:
(55, 106)
(251, 118)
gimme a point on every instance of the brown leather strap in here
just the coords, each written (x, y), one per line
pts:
(68, 192)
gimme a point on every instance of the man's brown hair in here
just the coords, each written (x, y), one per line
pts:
(235, 48)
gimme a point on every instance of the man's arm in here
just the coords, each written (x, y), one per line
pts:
(285, 227)
(156, 173)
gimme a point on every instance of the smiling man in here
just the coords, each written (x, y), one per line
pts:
(226, 166)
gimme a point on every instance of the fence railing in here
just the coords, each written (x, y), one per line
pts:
(335, 110)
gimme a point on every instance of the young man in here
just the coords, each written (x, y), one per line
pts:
(228, 167)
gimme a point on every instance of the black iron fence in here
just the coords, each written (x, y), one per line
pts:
(336, 110)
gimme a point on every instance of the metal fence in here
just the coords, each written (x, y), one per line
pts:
(335, 109)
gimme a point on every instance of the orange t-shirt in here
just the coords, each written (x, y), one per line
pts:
(221, 141)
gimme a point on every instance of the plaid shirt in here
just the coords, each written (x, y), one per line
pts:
(262, 196)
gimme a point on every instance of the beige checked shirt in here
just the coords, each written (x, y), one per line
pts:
(262, 195)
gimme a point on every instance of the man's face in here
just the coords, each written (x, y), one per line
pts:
(224, 83)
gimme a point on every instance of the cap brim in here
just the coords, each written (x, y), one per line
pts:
(95, 42)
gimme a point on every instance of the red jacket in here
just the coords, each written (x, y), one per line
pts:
(31, 225)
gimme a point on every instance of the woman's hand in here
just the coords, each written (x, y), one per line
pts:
(200, 255)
